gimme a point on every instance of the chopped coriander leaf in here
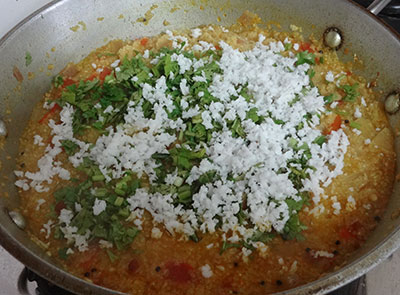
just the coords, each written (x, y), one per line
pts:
(58, 81)
(288, 46)
(305, 57)
(241, 216)
(328, 99)
(355, 125)
(28, 58)
(226, 246)
(340, 79)
(58, 235)
(195, 238)
(248, 246)
(311, 73)
(341, 113)
(106, 54)
(62, 253)
(260, 236)
(122, 236)
(109, 226)
(293, 229)
(111, 255)
(320, 140)
(296, 99)
(208, 177)
(351, 92)
(252, 115)
(298, 205)
(184, 194)
(278, 121)
(69, 147)
(237, 129)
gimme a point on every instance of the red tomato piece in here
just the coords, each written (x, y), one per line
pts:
(104, 73)
(345, 234)
(351, 232)
(335, 126)
(52, 111)
(133, 266)
(144, 41)
(227, 283)
(91, 77)
(306, 46)
(179, 272)
(67, 82)
(88, 263)
(59, 206)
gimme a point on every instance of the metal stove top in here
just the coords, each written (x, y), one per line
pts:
(390, 14)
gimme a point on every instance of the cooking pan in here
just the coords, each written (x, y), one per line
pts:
(67, 30)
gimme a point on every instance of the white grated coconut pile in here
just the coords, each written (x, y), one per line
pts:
(273, 81)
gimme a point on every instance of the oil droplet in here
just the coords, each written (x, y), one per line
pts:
(74, 28)
(78, 26)
(147, 16)
(31, 75)
(83, 25)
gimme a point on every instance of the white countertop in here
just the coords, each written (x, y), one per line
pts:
(13, 11)
(383, 280)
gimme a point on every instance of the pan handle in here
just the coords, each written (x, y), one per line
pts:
(23, 282)
(43, 286)
(377, 6)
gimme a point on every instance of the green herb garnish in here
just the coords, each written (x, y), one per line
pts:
(355, 125)
(28, 58)
(69, 147)
(226, 246)
(320, 140)
(62, 253)
(351, 92)
(263, 237)
(305, 57)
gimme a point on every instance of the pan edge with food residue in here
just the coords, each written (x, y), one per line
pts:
(140, 150)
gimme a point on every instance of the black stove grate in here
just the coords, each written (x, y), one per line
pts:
(390, 14)
(44, 287)
(392, 9)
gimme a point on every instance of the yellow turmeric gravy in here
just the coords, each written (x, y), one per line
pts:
(172, 264)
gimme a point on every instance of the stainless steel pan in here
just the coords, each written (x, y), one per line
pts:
(73, 29)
